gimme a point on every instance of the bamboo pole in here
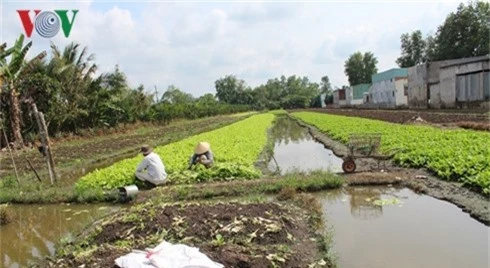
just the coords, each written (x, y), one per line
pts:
(11, 156)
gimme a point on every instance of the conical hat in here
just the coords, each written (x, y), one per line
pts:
(202, 147)
(146, 149)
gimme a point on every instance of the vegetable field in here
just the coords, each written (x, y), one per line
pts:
(236, 147)
(462, 155)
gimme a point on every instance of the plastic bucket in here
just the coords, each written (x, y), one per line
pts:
(128, 191)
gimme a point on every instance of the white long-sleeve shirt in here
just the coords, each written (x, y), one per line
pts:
(154, 166)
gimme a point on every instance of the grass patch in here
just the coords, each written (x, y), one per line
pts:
(298, 182)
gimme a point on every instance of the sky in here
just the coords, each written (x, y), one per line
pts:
(191, 44)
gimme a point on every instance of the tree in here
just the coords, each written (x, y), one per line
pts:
(325, 85)
(207, 99)
(464, 33)
(175, 96)
(138, 103)
(413, 48)
(360, 67)
(11, 74)
(430, 48)
(230, 89)
(73, 68)
(291, 92)
(105, 99)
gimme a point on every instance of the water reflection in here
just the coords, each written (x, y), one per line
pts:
(368, 234)
(36, 229)
(296, 150)
(286, 130)
(362, 205)
(362, 200)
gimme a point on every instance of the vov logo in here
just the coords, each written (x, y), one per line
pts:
(47, 23)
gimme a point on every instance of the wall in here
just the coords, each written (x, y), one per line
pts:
(432, 72)
(435, 96)
(448, 82)
(357, 102)
(348, 96)
(417, 87)
(382, 93)
(336, 98)
(401, 98)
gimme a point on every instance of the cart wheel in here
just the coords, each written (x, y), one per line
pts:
(349, 165)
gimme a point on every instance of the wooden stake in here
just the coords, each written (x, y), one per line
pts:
(46, 137)
(44, 140)
(11, 156)
(33, 169)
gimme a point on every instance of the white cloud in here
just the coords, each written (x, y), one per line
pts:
(193, 44)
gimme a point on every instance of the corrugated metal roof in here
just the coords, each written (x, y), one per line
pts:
(391, 73)
(358, 90)
(449, 63)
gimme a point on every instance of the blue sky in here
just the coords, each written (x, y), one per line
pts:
(192, 44)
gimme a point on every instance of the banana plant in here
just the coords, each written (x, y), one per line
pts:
(11, 72)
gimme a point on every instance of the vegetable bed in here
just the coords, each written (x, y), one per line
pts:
(459, 155)
(235, 147)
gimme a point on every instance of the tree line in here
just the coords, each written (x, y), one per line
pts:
(73, 98)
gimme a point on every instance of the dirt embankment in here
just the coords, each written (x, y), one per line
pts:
(419, 180)
(275, 234)
(479, 120)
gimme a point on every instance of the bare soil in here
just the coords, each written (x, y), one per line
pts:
(420, 180)
(478, 120)
(252, 235)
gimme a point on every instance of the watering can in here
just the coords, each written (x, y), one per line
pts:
(128, 191)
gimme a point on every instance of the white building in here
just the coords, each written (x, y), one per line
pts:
(389, 88)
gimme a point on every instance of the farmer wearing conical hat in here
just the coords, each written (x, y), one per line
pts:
(151, 168)
(202, 155)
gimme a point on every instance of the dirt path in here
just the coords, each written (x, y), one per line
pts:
(419, 180)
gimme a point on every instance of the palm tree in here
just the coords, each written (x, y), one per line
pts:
(73, 68)
(10, 75)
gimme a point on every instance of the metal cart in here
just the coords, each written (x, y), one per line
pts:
(364, 146)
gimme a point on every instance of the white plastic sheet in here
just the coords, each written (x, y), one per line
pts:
(167, 255)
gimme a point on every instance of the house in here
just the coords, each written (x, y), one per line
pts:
(450, 84)
(357, 96)
(389, 89)
(340, 97)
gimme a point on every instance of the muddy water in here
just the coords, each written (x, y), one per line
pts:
(36, 229)
(296, 150)
(402, 229)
